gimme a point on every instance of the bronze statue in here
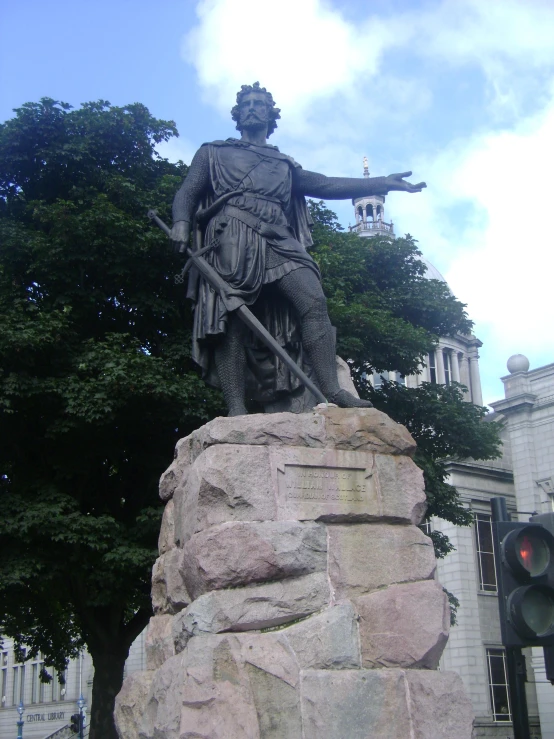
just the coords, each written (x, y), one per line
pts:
(245, 202)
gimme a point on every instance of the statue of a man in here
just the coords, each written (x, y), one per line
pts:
(258, 225)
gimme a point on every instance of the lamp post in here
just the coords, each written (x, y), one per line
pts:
(20, 710)
(81, 704)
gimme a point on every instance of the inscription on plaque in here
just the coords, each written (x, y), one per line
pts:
(325, 484)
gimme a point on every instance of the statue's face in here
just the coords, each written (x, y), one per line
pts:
(253, 111)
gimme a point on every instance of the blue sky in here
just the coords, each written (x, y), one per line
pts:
(459, 91)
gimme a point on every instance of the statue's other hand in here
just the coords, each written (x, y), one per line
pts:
(180, 236)
(396, 182)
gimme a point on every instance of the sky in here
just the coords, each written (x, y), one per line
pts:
(459, 91)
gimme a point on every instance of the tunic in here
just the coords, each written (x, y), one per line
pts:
(259, 236)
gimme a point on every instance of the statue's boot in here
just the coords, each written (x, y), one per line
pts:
(319, 342)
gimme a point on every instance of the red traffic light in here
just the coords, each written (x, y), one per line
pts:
(528, 551)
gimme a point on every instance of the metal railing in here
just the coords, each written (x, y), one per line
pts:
(378, 226)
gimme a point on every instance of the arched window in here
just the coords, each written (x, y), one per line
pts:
(379, 212)
(369, 212)
(360, 213)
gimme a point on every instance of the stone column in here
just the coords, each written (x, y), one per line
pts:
(464, 376)
(455, 366)
(439, 361)
(476, 394)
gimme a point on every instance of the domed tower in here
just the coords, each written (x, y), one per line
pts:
(455, 358)
(370, 214)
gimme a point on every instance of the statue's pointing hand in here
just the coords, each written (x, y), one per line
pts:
(396, 182)
(180, 236)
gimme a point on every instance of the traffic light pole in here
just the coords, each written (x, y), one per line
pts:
(515, 661)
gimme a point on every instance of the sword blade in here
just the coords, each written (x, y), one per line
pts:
(214, 279)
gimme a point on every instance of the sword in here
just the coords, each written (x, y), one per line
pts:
(245, 314)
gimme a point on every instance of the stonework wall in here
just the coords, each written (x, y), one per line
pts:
(294, 595)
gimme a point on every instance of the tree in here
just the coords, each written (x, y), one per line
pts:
(97, 383)
(96, 380)
(388, 317)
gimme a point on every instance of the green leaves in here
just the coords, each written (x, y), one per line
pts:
(387, 314)
(388, 317)
(96, 380)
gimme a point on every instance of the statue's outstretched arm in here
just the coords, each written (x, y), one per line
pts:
(189, 194)
(317, 185)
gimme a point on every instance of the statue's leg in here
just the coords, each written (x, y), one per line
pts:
(230, 362)
(303, 289)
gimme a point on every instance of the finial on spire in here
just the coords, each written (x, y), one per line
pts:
(366, 170)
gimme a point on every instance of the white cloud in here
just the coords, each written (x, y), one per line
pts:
(496, 249)
(302, 50)
(484, 220)
(176, 149)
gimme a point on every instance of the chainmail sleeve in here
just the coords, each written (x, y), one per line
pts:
(315, 185)
(194, 186)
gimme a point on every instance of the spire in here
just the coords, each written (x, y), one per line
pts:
(369, 212)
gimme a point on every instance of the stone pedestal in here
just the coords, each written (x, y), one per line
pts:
(294, 595)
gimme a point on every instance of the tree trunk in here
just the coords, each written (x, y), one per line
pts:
(108, 678)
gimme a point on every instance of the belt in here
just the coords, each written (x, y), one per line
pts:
(266, 230)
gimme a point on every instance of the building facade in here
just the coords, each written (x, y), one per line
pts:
(524, 475)
(48, 706)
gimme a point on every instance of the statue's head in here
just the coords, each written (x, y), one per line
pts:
(264, 112)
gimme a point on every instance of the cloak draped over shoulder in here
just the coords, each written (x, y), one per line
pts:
(259, 235)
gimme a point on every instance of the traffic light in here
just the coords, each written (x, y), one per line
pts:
(524, 554)
(75, 725)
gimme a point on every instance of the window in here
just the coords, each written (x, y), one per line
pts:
(447, 357)
(18, 692)
(3, 678)
(37, 687)
(485, 552)
(426, 527)
(432, 368)
(378, 379)
(58, 685)
(498, 685)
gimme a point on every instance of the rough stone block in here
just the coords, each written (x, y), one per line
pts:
(169, 592)
(227, 685)
(264, 429)
(160, 714)
(241, 553)
(384, 704)
(404, 625)
(440, 706)
(334, 485)
(401, 488)
(365, 430)
(158, 644)
(328, 640)
(228, 482)
(130, 702)
(166, 539)
(364, 557)
(355, 704)
(252, 607)
(177, 471)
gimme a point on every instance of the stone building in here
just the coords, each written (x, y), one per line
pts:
(456, 358)
(48, 707)
(524, 475)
